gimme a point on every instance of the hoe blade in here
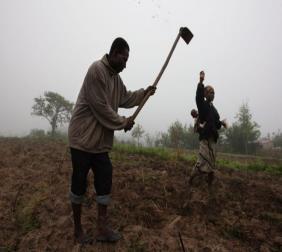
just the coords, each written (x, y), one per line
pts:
(186, 34)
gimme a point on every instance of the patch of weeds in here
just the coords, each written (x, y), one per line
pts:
(234, 232)
(8, 249)
(137, 245)
(28, 223)
(223, 162)
(275, 169)
(161, 153)
(255, 166)
(230, 164)
(188, 158)
(273, 218)
(155, 152)
(146, 178)
(258, 165)
(26, 218)
(118, 156)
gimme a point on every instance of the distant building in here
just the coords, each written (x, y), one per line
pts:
(265, 143)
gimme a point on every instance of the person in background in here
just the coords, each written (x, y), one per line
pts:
(197, 124)
(209, 123)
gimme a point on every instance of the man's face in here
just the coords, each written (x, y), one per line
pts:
(119, 59)
(209, 94)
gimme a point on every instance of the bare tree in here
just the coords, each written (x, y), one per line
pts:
(137, 132)
(53, 107)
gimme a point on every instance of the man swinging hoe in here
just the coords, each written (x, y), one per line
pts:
(91, 130)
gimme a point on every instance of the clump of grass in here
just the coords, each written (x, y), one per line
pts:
(137, 244)
(256, 166)
(158, 152)
(161, 153)
(234, 232)
(26, 218)
(273, 218)
(8, 249)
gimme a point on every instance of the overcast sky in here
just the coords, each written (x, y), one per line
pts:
(49, 45)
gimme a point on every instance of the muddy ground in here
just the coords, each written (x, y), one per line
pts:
(151, 205)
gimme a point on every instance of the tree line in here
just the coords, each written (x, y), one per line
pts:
(241, 137)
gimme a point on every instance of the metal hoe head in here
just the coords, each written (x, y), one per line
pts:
(186, 34)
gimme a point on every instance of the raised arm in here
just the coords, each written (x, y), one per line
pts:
(200, 97)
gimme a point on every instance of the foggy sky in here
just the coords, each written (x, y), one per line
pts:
(49, 45)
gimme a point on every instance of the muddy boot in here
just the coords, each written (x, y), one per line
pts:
(79, 236)
(105, 232)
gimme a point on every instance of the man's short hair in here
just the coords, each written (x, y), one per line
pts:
(118, 45)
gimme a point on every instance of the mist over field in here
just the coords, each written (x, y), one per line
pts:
(49, 45)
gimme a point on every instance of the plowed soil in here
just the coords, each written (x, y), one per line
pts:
(152, 205)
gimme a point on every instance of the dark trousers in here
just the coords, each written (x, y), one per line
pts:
(101, 166)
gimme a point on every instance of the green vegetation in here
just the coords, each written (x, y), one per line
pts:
(242, 136)
(8, 249)
(40, 135)
(234, 232)
(277, 139)
(179, 136)
(158, 152)
(26, 215)
(137, 245)
(273, 218)
(137, 133)
(121, 150)
(256, 164)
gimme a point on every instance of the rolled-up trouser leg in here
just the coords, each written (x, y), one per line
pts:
(76, 199)
(102, 168)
